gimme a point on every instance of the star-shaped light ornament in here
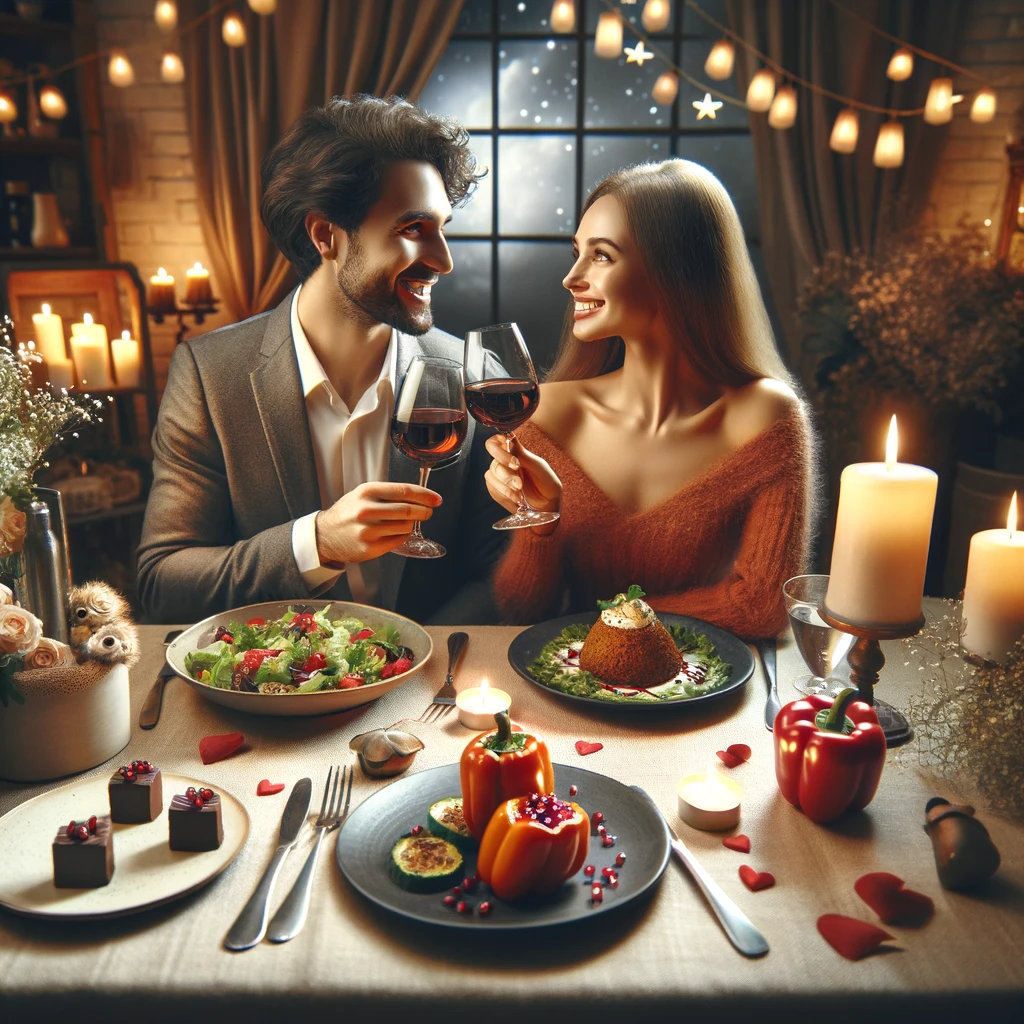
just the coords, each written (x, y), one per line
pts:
(637, 54)
(706, 107)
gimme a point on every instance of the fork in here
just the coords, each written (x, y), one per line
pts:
(291, 915)
(444, 699)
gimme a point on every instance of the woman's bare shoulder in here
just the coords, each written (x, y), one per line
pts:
(561, 405)
(753, 408)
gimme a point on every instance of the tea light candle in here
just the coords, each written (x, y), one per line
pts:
(709, 801)
(993, 611)
(883, 528)
(161, 293)
(479, 704)
(197, 286)
(126, 360)
(91, 353)
(49, 330)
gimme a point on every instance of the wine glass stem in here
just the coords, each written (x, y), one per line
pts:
(522, 505)
(417, 530)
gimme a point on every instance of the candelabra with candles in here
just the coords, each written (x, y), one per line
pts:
(199, 300)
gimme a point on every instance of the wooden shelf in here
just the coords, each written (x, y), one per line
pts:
(28, 146)
(12, 25)
(134, 508)
(68, 252)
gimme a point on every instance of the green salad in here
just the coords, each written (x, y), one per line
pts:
(301, 652)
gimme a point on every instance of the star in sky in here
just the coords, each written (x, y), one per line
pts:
(706, 107)
(637, 54)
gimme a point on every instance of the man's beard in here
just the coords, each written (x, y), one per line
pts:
(375, 299)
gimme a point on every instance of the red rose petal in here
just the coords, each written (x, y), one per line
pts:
(849, 937)
(268, 788)
(729, 760)
(740, 750)
(583, 747)
(741, 844)
(756, 880)
(886, 896)
(216, 748)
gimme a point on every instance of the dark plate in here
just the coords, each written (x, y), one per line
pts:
(378, 823)
(528, 644)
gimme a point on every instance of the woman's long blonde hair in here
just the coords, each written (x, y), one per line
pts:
(690, 240)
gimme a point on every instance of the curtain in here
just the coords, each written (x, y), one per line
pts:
(239, 101)
(811, 200)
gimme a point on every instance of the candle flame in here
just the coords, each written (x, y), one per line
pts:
(197, 265)
(46, 309)
(87, 319)
(483, 690)
(1011, 516)
(161, 272)
(127, 335)
(891, 444)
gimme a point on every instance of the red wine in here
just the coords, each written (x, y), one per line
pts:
(502, 404)
(430, 435)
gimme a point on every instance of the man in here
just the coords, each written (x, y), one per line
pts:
(273, 475)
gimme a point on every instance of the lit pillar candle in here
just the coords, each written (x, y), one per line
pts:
(479, 704)
(49, 331)
(197, 286)
(161, 293)
(993, 610)
(91, 353)
(125, 351)
(881, 545)
(709, 801)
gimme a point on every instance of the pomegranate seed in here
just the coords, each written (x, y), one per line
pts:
(620, 859)
(596, 893)
(191, 792)
(82, 832)
(449, 901)
(416, 830)
(468, 884)
(484, 908)
(457, 890)
(70, 830)
(598, 817)
(463, 907)
(607, 872)
(92, 823)
(206, 794)
(601, 830)
(573, 790)
(199, 803)
(607, 840)
(613, 880)
(589, 870)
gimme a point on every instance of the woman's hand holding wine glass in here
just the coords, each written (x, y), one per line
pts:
(525, 475)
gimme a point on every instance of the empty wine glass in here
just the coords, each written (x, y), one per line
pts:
(429, 427)
(502, 392)
(821, 646)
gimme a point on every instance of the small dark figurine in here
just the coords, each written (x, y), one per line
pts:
(964, 853)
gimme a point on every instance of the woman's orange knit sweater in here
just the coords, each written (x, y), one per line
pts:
(718, 549)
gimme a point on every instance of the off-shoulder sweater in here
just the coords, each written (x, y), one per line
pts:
(718, 549)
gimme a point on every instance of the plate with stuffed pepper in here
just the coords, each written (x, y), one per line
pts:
(504, 840)
(285, 658)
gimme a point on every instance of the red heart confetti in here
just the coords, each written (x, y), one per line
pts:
(583, 747)
(886, 896)
(268, 788)
(734, 755)
(849, 937)
(756, 880)
(216, 748)
(741, 844)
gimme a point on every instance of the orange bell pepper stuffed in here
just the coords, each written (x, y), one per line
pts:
(532, 845)
(499, 765)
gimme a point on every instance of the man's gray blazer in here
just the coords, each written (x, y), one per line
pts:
(233, 467)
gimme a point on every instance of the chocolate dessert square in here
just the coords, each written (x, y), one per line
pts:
(195, 822)
(136, 793)
(83, 860)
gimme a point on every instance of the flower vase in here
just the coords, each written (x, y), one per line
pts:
(45, 582)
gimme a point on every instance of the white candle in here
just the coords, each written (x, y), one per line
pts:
(125, 351)
(993, 612)
(61, 373)
(479, 704)
(49, 329)
(881, 545)
(91, 353)
(709, 801)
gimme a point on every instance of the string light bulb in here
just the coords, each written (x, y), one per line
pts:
(783, 110)
(608, 39)
(263, 7)
(8, 108)
(52, 102)
(172, 70)
(165, 14)
(983, 109)
(761, 91)
(232, 31)
(720, 60)
(845, 131)
(901, 65)
(889, 145)
(563, 16)
(120, 70)
(666, 88)
(938, 108)
(656, 15)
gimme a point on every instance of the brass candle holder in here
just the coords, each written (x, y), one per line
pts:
(866, 661)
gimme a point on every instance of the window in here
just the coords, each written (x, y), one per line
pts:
(549, 120)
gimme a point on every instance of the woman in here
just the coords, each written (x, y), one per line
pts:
(668, 434)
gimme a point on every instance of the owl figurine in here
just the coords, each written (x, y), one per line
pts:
(94, 605)
(116, 643)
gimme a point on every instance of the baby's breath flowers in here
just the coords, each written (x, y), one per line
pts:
(969, 717)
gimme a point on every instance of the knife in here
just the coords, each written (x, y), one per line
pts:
(766, 651)
(150, 713)
(251, 924)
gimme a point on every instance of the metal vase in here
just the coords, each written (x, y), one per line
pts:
(44, 589)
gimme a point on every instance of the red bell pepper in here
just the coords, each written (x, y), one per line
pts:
(829, 755)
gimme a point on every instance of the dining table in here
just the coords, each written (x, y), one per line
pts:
(660, 957)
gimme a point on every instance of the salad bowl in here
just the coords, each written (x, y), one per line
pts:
(322, 702)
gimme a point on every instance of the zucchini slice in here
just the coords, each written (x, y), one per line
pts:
(424, 863)
(445, 820)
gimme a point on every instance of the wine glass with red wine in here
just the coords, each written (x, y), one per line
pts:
(429, 427)
(502, 392)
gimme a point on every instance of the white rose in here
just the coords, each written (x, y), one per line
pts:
(20, 630)
(6, 595)
(12, 527)
(49, 654)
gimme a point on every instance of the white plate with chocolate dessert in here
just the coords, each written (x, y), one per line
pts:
(287, 658)
(53, 837)
(628, 656)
